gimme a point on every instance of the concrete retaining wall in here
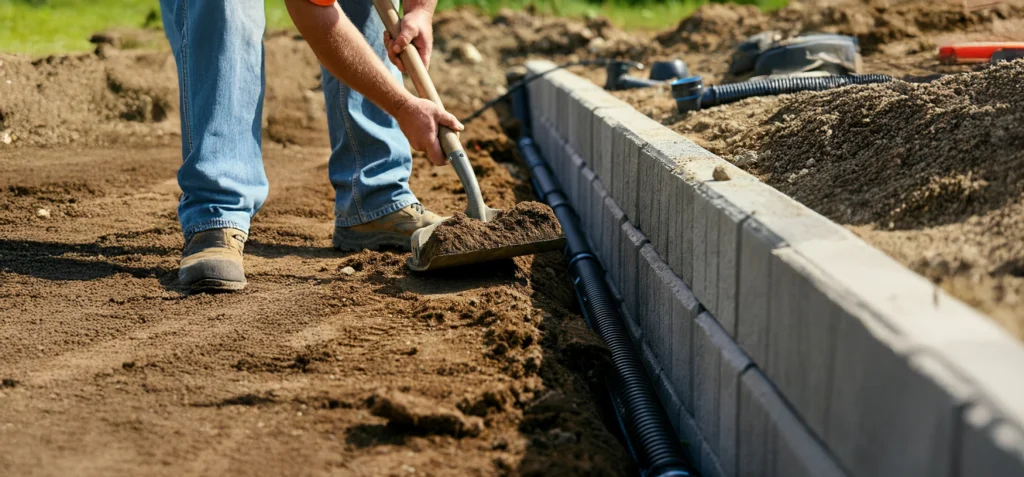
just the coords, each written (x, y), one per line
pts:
(781, 344)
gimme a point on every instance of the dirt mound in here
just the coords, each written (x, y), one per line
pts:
(525, 223)
(715, 26)
(517, 34)
(60, 100)
(719, 27)
(423, 415)
(900, 155)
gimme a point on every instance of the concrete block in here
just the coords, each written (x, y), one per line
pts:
(632, 241)
(891, 414)
(718, 363)
(626, 194)
(702, 209)
(690, 437)
(613, 234)
(802, 333)
(650, 309)
(706, 374)
(575, 180)
(686, 226)
(733, 364)
(990, 445)
(709, 463)
(586, 201)
(773, 442)
(678, 333)
(677, 215)
(730, 222)
(598, 214)
(666, 394)
(651, 364)
(755, 288)
(603, 142)
(635, 333)
(708, 294)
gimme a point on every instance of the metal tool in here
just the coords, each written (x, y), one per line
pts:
(476, 209)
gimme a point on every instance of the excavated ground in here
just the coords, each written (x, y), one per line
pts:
(328, 363)
(927, 169)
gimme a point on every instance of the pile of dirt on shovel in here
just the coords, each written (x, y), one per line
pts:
(527, 222)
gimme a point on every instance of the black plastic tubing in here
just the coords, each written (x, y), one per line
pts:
(728, 93)
(651, 439)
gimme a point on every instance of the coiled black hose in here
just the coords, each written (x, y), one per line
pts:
(691, 95)
(651, 439)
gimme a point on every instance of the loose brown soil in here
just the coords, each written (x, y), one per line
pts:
(929, 172)
(108, 368)
(527, 222)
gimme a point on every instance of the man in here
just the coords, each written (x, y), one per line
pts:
(372, 118)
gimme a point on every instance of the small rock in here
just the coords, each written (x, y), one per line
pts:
(5, 137)
(467, 53)
(348, 271)
(43, 213)
(473, 302)
(597, 45)
(720, 174)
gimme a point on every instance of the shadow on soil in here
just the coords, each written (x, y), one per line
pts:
(64, 262)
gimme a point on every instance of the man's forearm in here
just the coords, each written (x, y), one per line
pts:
(344, 52)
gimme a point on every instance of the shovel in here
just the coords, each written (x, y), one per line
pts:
(476, 209)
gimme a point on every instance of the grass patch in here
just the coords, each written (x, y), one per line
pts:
(39, 27)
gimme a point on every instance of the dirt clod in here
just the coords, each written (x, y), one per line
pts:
(420, 414)
(527, 222)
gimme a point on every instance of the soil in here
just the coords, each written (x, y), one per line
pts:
(328, 363)
(527, 222)
(927, 169)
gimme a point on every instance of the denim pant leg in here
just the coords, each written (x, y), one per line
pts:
(218, 47)
(370, 159)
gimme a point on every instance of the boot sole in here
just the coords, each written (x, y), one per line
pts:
(211, 285)
(348, 241)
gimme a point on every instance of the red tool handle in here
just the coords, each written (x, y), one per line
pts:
(973, 52)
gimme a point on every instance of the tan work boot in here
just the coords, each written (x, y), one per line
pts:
(392, 230)
(212, 261)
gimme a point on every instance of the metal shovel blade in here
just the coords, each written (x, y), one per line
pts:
(420, 263)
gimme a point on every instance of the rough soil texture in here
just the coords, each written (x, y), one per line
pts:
(328, 363)
(927, 169)
(527, 222)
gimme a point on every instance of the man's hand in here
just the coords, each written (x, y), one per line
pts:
(418, 30)
(419, 120)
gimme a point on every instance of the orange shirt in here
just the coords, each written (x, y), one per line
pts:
(322, 3)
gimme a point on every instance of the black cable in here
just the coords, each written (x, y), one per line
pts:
(529, 79)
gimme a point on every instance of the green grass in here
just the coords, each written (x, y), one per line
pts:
(40, 27)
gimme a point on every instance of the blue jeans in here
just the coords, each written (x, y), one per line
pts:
(218, 47)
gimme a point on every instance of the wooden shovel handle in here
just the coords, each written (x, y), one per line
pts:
(417, 71)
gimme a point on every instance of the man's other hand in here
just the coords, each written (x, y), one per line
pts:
(419, 120)
(416, 28)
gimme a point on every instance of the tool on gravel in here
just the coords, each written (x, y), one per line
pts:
(476, 209)
(977, 52)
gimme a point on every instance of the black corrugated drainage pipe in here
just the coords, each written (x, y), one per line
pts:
(650, 438)
(691, 94)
